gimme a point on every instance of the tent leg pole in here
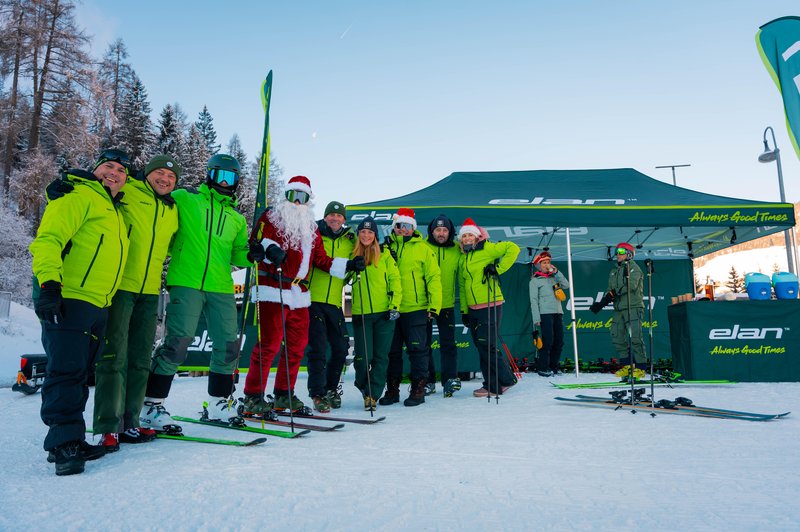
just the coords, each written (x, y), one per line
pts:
(572, 306)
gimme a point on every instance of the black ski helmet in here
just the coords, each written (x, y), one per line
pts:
(223, 168)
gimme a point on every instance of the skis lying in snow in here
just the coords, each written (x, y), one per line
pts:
(217, 441)
(669, 407)
(303, 426)
(246, 428)
(621, 384)
(686, 404)
(201, 439)
(366, 421)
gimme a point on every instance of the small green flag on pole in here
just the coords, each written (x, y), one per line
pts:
(778, 43)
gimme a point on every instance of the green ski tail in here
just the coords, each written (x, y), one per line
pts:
(246, 428)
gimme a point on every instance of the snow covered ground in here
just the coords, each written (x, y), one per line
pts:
(752, 260)
(527, 463)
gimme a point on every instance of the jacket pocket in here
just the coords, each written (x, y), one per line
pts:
(94, 258)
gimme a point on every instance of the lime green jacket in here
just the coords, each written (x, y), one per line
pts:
(447, 257)
(379, 288)
(323, 286)
(211, 236)
(82, 242)
(151, 224)
(472, 284)
(419, 273)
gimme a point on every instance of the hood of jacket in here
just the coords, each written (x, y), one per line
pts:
(442, 221)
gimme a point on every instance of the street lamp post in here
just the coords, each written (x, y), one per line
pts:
(767, 157)
(674, 166)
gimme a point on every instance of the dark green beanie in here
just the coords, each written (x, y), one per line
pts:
(336, 207)
(163, 161)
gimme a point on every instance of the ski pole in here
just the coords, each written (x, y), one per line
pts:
(286, 349)
(366, 352)
(649, 264)
(496, 340)
(488, 342)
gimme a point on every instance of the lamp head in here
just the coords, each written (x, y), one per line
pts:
(768, 156)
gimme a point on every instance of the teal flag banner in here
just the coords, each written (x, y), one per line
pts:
(778, 43)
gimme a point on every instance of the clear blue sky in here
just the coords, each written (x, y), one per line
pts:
(373, 100)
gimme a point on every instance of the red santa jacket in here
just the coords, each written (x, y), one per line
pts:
(296, 267)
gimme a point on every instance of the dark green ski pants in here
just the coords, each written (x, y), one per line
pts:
(123, 367)
(619, 334)
(378, 332)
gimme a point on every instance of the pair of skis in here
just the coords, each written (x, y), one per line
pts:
(669, 407)
(622, 384)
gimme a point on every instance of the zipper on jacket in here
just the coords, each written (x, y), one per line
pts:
(119, 263)
(369, 294)
(414, 280)
(221, 223)
(208, 250)
(91, 263)
(150, 251)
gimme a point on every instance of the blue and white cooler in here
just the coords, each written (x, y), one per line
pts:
(758, 286)
(785, 284)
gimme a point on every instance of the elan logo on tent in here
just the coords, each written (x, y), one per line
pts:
(744, 333)
(556, 201)
(583, 303)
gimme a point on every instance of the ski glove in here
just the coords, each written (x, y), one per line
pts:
(597, 306)
(256, 253)
(275, 254)
(57, 189)
(393, 314)
(466, 320)
(48, 305)
(490, 270)
(355, 265)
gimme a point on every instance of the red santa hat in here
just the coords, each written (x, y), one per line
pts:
(469, 227)
(301, 183)
(405, 216)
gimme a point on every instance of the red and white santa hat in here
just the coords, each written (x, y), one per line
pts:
(301, 183)
(469, 227)
(405, 216)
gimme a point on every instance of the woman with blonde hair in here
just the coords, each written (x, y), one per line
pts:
(376, 296)
(481, 301)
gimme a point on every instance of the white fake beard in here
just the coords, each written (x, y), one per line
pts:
(295, 223)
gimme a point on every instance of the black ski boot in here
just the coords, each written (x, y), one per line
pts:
(69, 459)
(392, 394)
(416, 394)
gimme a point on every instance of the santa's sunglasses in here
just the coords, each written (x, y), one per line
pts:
(404, 226)
(298, 196)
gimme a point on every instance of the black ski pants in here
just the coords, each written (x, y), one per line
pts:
(494, 364)
(448, 353)
(411, 330)
(552, 328)
(72, 346)
(326, 327)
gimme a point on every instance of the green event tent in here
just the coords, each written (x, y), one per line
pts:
(600, 208)
(580, 215)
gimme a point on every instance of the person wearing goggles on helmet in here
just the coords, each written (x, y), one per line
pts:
(626, 290)
(211, 237)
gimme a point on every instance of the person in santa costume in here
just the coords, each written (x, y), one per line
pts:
(285, 242)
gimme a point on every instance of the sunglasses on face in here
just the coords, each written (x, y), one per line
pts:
(622, 251)
(228, 177)
(404, 226)
(297, 195)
